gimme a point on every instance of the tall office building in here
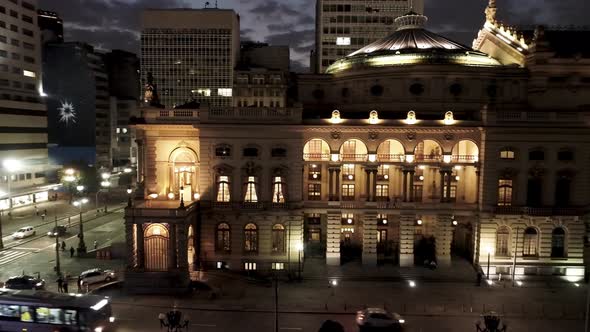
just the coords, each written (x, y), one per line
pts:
(191, 54)
(23, 116)
(344, 26)
(51, 26)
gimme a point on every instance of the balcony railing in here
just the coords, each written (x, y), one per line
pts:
(257, 114)
(163, 115)
(539, 211)
(248, 205)
(433, 158)
(353, 157)
(316, 156)
(464, 158)
(396, 158)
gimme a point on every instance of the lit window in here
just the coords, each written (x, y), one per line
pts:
(278, 266)
(118, 130)
(278, 192)
(504, 192)
(382, 191)
(348, 192)
(223, 189)
(530, 244)
(314, 191)
(278, 238)
(250, 238)
(224, 92)
(344, 41)
(222, 239)
(507, 153)
(381, 236)
(202, 92)
(29, 73)
(348, 172)
(250, 266)
(502, 240)
(251, 195)
(347, 219)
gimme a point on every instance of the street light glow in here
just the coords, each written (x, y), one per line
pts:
(69, 171)
(12, 165)
(489, 250)
(299, 246)
(127, 170)
(105, 176)
(412, 283)
(84, 200)
(197, 196)
(79, 188)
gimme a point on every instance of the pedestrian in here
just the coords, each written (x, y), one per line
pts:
(43, 217)
(69, 220)
(161, 318)
(71, 252)
(65, 285)
(45, 212)
(79, 284)
(60, 283)
(63, 245)
(95, 244)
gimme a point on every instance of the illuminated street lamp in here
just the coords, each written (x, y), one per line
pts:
(81, 244)
(105, 184)
(299, 248)
(69, 177)
(129, 191)
(489, 250)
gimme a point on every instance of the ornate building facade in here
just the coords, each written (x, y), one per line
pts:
(413, 148)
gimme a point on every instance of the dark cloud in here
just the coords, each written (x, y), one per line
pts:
(281, 27)
(273, 8)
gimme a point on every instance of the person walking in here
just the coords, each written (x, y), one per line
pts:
(63, 245)
(65, 285)
(60, 283)
(95, 244)
(79, 284)
(72, 252)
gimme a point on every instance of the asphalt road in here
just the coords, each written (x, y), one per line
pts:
(142, 318)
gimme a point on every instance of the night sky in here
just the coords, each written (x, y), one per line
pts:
(114, 24)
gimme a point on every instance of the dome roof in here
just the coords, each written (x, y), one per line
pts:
(412, 44)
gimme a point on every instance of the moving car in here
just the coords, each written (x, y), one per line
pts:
(24, 282)
(58, 231)
(97, 275)
(379, 319)
(24, 232)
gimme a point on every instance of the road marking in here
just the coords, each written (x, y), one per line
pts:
(12, 255)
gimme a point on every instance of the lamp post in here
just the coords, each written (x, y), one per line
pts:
(105, 184)
(489, 250)
(129, 202)
(299, 251)
(197, 233)
(56, 234)
(81, 244)
(11, 166)
(70, 178)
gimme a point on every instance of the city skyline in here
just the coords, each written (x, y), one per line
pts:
(292, 22)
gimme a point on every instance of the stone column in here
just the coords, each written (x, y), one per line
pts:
(411, 174)
(405, 186)
(477, 174)
(172, 248)
(331, 184)
(375, 185)
(183, 247)
(442, 186)
(449, 186)
(338, 198)
(444, 238)
(130, 245)
(368, 184)
(370, 239)
(140, 255)
(140, 161)
(407, 224)
(333, 238)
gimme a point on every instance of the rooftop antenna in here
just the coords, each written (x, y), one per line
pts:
(411, 5)
(216, 5)
(207, 4)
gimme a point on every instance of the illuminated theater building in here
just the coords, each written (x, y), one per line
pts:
(413, 138)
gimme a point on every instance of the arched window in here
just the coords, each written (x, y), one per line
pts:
(251, 195)
(223, 193)
(278, 190)
(558, 243)
(156, 247)
(502, 241)
(222, 238)
(278, 238)
(250, 238)
(504, 192)
(530, 243)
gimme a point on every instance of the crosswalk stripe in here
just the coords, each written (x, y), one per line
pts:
(12, 255)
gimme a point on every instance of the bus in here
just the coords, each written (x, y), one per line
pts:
(43, 311)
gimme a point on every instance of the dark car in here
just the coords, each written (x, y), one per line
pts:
(58, 231)
(24, 282)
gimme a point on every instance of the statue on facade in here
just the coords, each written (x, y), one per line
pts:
(150, 94)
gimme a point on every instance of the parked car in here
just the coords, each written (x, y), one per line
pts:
(97, 275)
(24, 232)
(59, 230)
(377, 318)
(24, 282)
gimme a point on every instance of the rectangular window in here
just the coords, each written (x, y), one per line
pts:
(343, 41)
(27, 19)
(26, 314)
(381, 236)
(314, 219)
(251, 195)
(28, 32)
(224, 92)
(314, 191)
(315, 147)
(507, 154)
(223, 194)
(29, 73)
(348, 192)
(315, 172)
(48, 315)
(347, 219)
(248, 266)
(278, 193)
(315, 235)
(278, 266)
(348, 172)
(9, 312)
(382, 191)
(383, 172)
(504, 192)
(418, 192)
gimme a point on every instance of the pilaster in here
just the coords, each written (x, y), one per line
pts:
(370, 239)
(444, 237)
(406, 239)
(333, 238)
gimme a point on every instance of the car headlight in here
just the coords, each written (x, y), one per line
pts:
(39, 284)
(112, 319)
(49, 233)
(98, 329)
(401, 321)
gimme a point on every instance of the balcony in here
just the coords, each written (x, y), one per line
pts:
(539, 211)
(428, 158)
(253, 114)
(157, 115)
(394, 158)
(464, 158)
(353, 157)
(316, 156)
(246, 205)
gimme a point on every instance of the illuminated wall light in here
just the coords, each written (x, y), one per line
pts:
(314, 165)
(386, 177)
(458, 167)
(455, 222)
(350, 177)
(384, 221)
(336, 117)
(410, 158)
(349, 221)
(411, 118)
(457, 178)
(315, 176)
(372, 158)
(421, 177)
(422, 167)
(334, 157)
(171, 196)
(419, 222)
(447, 158)
(153, 195)
(449, 119)
(373, 117)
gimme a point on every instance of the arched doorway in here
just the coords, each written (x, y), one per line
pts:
(462, 244)
(156, 242)
(183, 166)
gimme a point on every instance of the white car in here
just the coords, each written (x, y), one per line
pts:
(96, 275)
(377, 318)
(24, 232)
